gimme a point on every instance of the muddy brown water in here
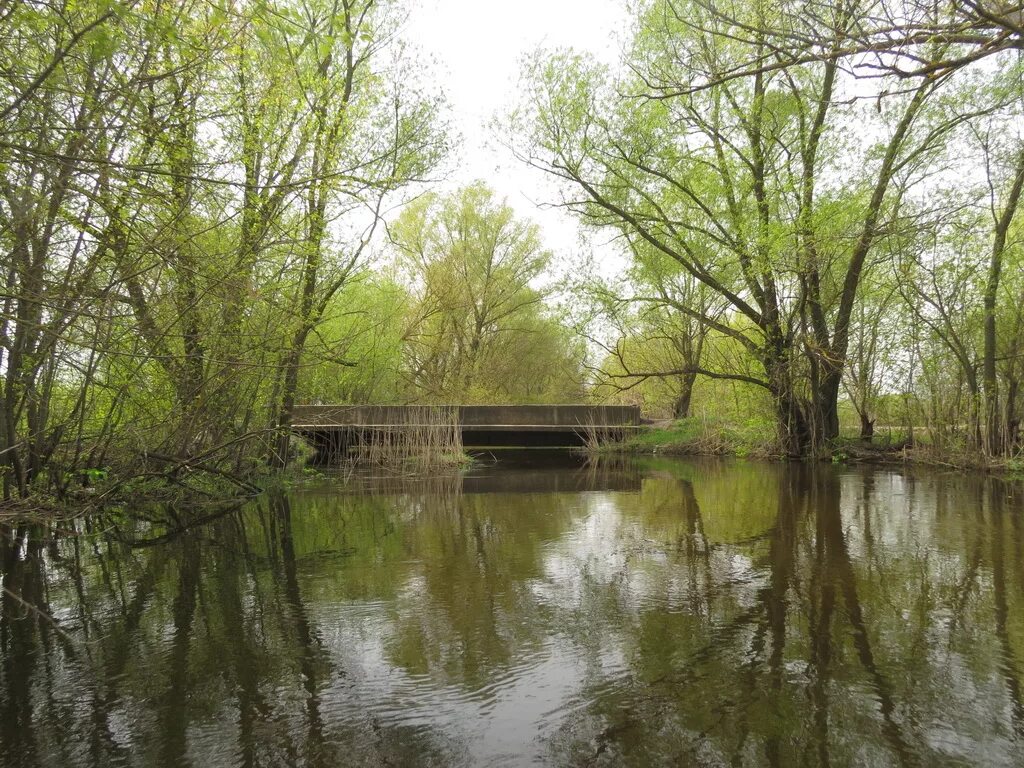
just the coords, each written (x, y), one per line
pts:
(537, 612)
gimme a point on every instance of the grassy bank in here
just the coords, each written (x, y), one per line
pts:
(854, 451)
(704, 436)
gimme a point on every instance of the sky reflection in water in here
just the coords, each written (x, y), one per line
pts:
(667, 612)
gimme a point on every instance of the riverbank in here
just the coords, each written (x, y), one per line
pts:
(177, 482)
(702, 437)
(705, 437)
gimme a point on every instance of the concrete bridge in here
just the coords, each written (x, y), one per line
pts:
(333, 428)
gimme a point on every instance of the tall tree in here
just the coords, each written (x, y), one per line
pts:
(735, 182)
(187, 188)
(660, 314)
(478, 328)
(70, 86)
(367, 138)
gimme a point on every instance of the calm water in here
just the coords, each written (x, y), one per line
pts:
(667, 613)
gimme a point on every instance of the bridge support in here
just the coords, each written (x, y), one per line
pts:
(334, 429)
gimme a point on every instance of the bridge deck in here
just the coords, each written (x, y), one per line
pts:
(480, 425)
(505, 417)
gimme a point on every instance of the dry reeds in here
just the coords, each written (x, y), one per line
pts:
(598, 437)
(421, 440)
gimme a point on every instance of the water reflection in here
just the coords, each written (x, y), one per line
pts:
(664, 613)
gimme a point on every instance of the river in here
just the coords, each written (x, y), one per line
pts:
(536, 611)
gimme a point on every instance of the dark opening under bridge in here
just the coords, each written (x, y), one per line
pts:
(334, 428)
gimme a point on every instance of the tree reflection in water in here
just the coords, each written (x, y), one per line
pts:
(667, 612)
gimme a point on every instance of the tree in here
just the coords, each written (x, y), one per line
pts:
(355, 355)
(735, 182)
(69, 89)
(478, 328)
(1003, 205)
(873, 341)
(364, 143)
(903, 39)
(187, 188)
(660, 315)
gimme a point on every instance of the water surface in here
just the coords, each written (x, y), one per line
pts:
(662, 613)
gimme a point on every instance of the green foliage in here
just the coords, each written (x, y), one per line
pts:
(478, 329)
(192, 218)
(356, 355)
(696, 435)
(193, 191)
(838, 268)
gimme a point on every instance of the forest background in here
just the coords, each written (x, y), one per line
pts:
(212, 211)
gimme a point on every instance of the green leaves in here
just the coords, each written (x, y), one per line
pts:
(478, 330)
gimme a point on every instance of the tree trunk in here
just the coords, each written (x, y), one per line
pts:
(794, 430)
(279, 455)
(681, 407)
(793, 427)
(292, 362)
(1011, 422)
(827, 398)
(867, 427)
(994, 439)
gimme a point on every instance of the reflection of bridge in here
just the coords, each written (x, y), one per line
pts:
(333, 427)
(516, 472)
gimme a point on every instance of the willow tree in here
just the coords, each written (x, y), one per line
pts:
(367, 133)
(660, 316)
(959, 276)
(70, 86)
(898, 43)
(906, 39)
(478, 327)
(1004, 162)
(186, 188)
(752, 184)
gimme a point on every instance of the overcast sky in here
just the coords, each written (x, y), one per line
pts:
(476, 48)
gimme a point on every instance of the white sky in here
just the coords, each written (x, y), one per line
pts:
(475, 48)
